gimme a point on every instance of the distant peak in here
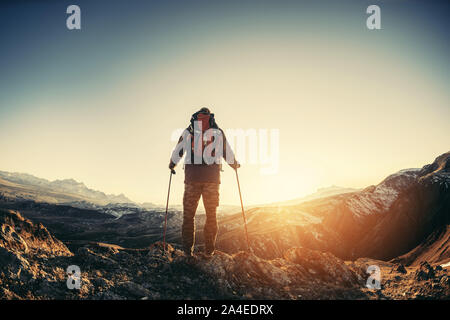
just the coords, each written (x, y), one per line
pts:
(68, 181)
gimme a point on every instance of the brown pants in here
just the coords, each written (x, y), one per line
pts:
(210, 194)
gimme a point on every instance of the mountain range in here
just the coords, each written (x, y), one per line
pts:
(408, 209)
(67, 191)
(316, 248)
(320, 193)
(23, 186)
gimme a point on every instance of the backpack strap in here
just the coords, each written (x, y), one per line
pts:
(212, 121)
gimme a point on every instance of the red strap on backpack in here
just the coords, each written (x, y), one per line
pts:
(203, 123)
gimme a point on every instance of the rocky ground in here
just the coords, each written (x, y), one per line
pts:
(33, 265)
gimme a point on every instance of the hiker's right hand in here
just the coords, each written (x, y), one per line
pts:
(171, 165)
(235, 165)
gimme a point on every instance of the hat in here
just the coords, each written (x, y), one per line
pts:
(204, 110)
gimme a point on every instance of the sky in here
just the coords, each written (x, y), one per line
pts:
(100, 104)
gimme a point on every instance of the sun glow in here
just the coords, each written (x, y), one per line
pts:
(343, 116)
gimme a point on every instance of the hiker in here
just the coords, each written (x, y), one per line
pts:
(205, 145)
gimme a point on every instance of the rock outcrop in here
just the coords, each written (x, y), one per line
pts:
(20, 236)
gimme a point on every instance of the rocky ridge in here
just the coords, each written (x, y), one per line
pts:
(113, 272)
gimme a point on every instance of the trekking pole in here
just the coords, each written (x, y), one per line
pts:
(167, 208)
(243, 213)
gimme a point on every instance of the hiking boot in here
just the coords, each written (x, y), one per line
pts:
(190, 260)
(188, 252)
(209, 254)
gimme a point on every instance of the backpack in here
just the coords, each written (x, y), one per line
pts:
(207, 122)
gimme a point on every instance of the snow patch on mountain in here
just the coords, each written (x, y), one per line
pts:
(378, 199)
